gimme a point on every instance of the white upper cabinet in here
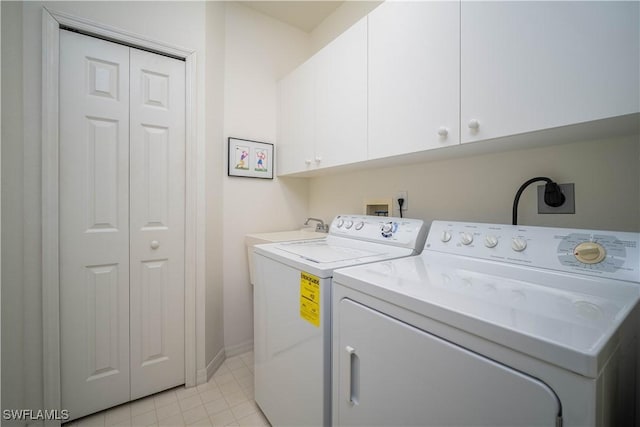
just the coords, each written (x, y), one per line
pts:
(323, 107)
(296, 119)
(341, 99)
(527, 66)
(414, 75)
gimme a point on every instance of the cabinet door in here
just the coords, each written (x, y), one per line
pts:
(389, 373)
(341, 99)
(414, 68)
(534, 65)
(157, 200)
(94, 224)
(296, 120)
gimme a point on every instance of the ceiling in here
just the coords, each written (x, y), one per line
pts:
(305, 15)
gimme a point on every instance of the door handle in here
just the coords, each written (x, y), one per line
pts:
(353, 376)
(154, 244)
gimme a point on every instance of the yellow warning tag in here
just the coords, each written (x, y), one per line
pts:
(310, 298)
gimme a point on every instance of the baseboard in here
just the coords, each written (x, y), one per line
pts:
(203, 375)
(215, 363)
(239, 349)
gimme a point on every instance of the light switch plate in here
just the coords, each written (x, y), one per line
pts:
(568, 207)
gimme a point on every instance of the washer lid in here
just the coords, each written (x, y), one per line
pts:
(322, 257)
(322, 252)
(568, 320)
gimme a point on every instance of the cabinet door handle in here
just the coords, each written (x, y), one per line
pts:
(307, 162)
(318, 159)
(154, 244)
(443, 131)
(353, 376)
(474, 124)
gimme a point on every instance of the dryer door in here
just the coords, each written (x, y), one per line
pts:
(390, 373)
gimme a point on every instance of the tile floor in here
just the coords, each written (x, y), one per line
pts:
(226, 400)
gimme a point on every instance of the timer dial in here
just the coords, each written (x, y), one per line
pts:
(589, 252)
(491, 241)
(466, 238)
(518, 244)
(348, 224)
(445, 236)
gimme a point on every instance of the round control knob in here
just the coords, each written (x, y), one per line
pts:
(445, 237)
(443, 131)
(154, 244)
(359, 225)
(589, 252)
(386, 228)
(466, 238)
(474, 124)
(491, 241)
(518, 244)
(348, 224)
(340, 223)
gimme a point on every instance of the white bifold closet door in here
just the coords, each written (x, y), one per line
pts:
(122, 178)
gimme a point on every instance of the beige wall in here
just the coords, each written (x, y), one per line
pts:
(259, 51)
(482, 188)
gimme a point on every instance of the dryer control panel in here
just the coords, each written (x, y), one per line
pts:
(612, 254)
(404, 232)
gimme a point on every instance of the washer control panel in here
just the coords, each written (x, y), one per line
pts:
(405, 232)
(612, 254)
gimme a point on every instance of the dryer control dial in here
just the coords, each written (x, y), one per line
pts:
(466, 238)
(490, 241)
(359, 225)
(445, 236)
(340, 223)
(518, 244)
(348, 224)
(590, 252)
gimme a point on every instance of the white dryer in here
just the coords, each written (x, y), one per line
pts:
(491, 325)
(292, 310)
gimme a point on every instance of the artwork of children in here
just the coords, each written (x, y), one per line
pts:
(261, 158)
(241, 158)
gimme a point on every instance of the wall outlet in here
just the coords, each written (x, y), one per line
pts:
(401, 194)
(569, 205)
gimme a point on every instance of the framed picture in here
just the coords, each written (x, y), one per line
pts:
(251, 159)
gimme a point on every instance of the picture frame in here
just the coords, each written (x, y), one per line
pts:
(250, 159)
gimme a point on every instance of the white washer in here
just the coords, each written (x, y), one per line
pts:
(491, 325)
(292, 310)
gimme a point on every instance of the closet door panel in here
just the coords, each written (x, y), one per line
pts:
(94, 223)
(157, 222)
